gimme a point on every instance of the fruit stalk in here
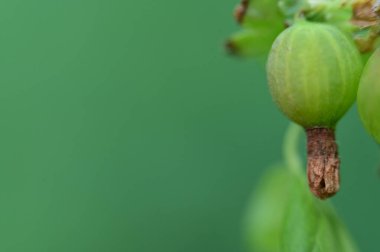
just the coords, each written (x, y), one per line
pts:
(322, 162)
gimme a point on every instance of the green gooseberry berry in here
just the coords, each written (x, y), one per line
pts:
(369, 96)
(313, 74)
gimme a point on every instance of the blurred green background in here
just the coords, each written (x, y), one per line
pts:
(125, 127)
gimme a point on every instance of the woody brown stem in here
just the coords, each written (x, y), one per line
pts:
(322, 162)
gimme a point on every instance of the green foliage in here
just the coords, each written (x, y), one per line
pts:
(266, 213)
(312, 225)
(260, 13)
(284, 216)
(263, 20)
(331, 12)
(241, 43)
(261, 24)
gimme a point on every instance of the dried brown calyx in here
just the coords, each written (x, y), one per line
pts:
(366, 16)
(322, 162)
(365, 13)
(241, 10)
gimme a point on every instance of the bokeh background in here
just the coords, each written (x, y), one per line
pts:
(125, 127)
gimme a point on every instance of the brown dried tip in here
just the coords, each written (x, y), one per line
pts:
(322, 162)
(231, 47)
(241, 10)
(365, 13)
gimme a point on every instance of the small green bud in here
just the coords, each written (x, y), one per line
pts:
(369, 96)
(313, 74)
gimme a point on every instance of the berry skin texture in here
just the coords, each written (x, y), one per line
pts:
(313, 74)
(369, 96)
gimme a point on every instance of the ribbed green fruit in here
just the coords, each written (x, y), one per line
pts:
(313, 73)
(369, 96)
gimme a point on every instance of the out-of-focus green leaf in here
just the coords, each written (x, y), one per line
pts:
(335, 231)
(266, 213)
(284, 216)
(312, 225)
(301, 220)
(262, 22)
(263, 11)
(252, 42)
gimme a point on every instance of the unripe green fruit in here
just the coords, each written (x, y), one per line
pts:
(313, 73)
(369, 96)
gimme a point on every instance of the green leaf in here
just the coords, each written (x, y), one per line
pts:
(262, 22)
(265, 217)
(252, 42)
(313, 225)
(302, 220)
(283, 215)
(333, 233)
(265, 12)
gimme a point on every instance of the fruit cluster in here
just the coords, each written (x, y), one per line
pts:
(317, 50)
